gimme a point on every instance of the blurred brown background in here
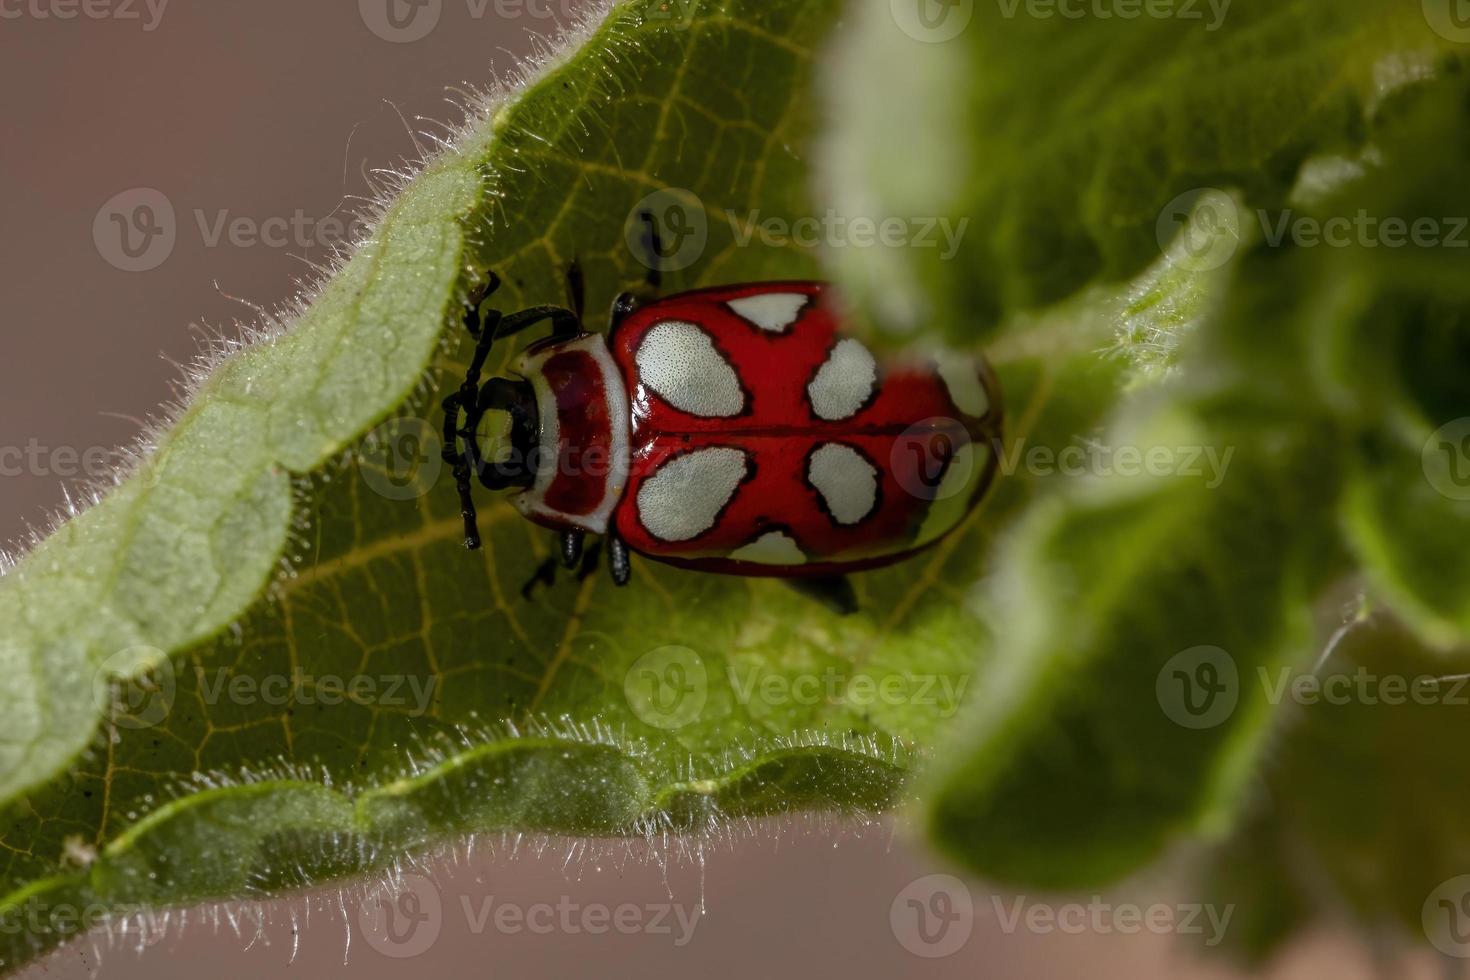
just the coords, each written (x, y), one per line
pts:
(252, 122)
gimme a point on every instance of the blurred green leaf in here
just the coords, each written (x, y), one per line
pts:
(1075, 146)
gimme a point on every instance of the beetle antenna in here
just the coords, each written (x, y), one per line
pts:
(576, 288)
(653, 251)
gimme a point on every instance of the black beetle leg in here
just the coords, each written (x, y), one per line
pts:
(571, 548)
(545, 574)
(833, 591)
(618, 561)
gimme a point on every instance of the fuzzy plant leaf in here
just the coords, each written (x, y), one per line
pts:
(1074, 145)
(1359, 819)
(266, 661)
(1139, 633)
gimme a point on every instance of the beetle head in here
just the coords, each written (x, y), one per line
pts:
(505, 433)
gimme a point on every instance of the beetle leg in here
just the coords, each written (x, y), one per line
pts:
(459, 463)
(625, 303)
(833, 591)
(618, 561)
(565, 323)
(576, 288)
(487, 326)
(545, 574)
(653, 252)
(571, 548)
(589, 561)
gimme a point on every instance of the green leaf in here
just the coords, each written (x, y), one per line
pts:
(1114, 718)
(1358, 814)
(229, 760)
(175, 728)
(1074, 147)
(1326, 367)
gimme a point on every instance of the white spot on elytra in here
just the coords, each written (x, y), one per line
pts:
(775, 312)
(961, 376)
(847, 482)
(771, 548)
(683, 499)
(679, 361)
(844, 382)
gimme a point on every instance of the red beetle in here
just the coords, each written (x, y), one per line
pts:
(730, 429)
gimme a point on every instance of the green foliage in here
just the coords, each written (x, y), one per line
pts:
(1076, 677)
(1133, 621)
